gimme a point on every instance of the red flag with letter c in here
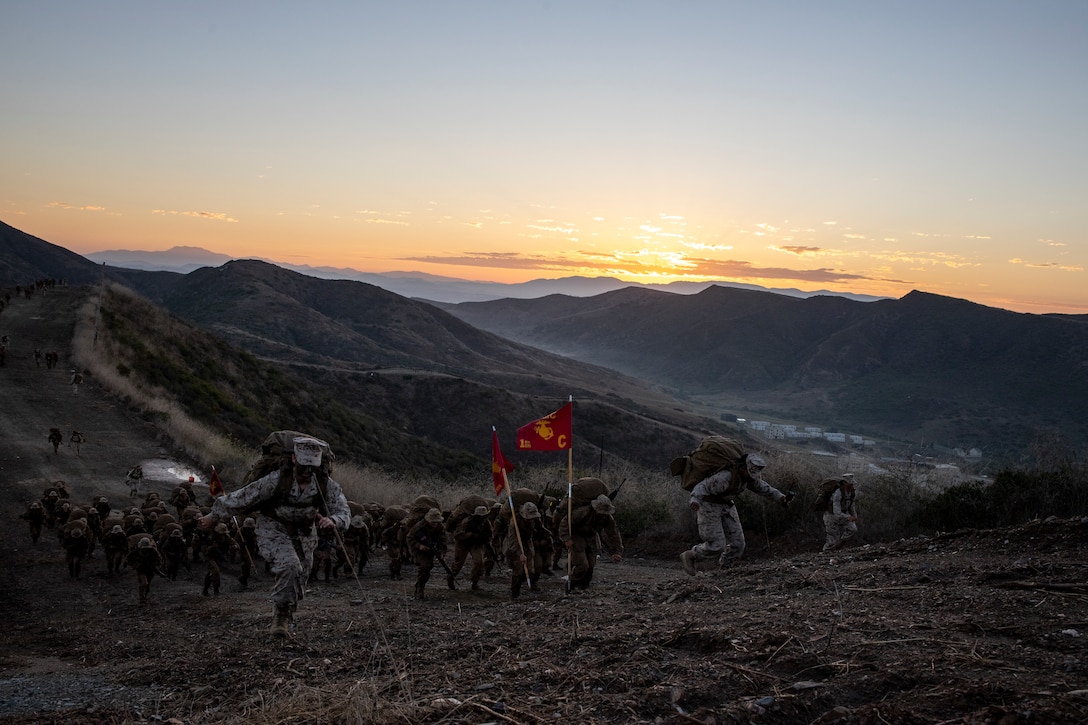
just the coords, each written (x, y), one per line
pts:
(550, 433)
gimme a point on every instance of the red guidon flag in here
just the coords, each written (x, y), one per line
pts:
(215, 486)
(550, 433)
(499, 464)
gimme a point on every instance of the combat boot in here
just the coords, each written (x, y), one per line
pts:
(687, 560)
(282, 622)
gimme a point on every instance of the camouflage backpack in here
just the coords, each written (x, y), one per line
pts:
(276, 455)
(582, 493)
(823, 496)
(713, 454)
(276, 452)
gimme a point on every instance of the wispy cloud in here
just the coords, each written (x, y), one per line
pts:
(1048, 265)
(741, 270)
(647, 263)
(396, 222)
(211, 215)
(74, 207)
(799, 251)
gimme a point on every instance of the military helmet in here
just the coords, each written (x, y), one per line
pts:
(480, 511)
(249, 523)
(176, 533)
(145, 543)
(221, 529)
(357, 522)
(529, 511)
(755, 465)
(433, 516)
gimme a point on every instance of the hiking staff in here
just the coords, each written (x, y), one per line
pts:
(241, 541)
(498, 470)
(517, 529)
(570, 526)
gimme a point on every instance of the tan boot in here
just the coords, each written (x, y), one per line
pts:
(687, 560)
(282, 621)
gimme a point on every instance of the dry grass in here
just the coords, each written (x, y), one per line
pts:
(650, 503)
(95, 353)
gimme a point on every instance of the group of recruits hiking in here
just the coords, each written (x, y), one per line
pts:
(307, 526)
(149, 538)
(301, 506)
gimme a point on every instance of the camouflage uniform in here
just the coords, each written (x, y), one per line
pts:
(49, 507)
(115, 545)
(216, 550)
(356, 545)
(35, 516)
(426, 539)
(325, 555)
(180, 500)
(94, 526)
(74, 542)
(390, 539)
(840, 518)
(522, 563)
(719, 523)
(146, 560)
(174, 551)
(133, 480)
(286, 535)
(587, 523)
(471, 537)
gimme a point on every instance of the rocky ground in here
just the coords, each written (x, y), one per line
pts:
(968, 627)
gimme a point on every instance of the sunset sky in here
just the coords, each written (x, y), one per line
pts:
(870, 147)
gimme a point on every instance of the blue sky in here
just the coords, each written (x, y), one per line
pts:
(870, 147)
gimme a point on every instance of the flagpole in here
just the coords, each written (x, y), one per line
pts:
(514, 518)
(570, 497)
(517, 530)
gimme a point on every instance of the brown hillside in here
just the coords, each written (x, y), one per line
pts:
(971, 627)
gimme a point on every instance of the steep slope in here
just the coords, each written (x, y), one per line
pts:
(922, 368)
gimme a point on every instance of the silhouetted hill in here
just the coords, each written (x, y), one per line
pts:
(25, 259)
(924, 368)
(394, 382)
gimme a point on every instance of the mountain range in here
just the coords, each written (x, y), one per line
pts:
(924, 370)
(420, 285)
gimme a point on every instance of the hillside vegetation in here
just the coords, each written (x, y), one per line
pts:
(218, 403)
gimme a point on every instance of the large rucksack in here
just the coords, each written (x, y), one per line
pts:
(713, 454)
(276, 452)
(582, 493)
(823, 496)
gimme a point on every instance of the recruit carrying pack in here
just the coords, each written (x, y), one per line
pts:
(823, 495)
(713, 454)
(276, 452)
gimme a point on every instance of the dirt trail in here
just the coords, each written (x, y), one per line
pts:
(972, 627)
